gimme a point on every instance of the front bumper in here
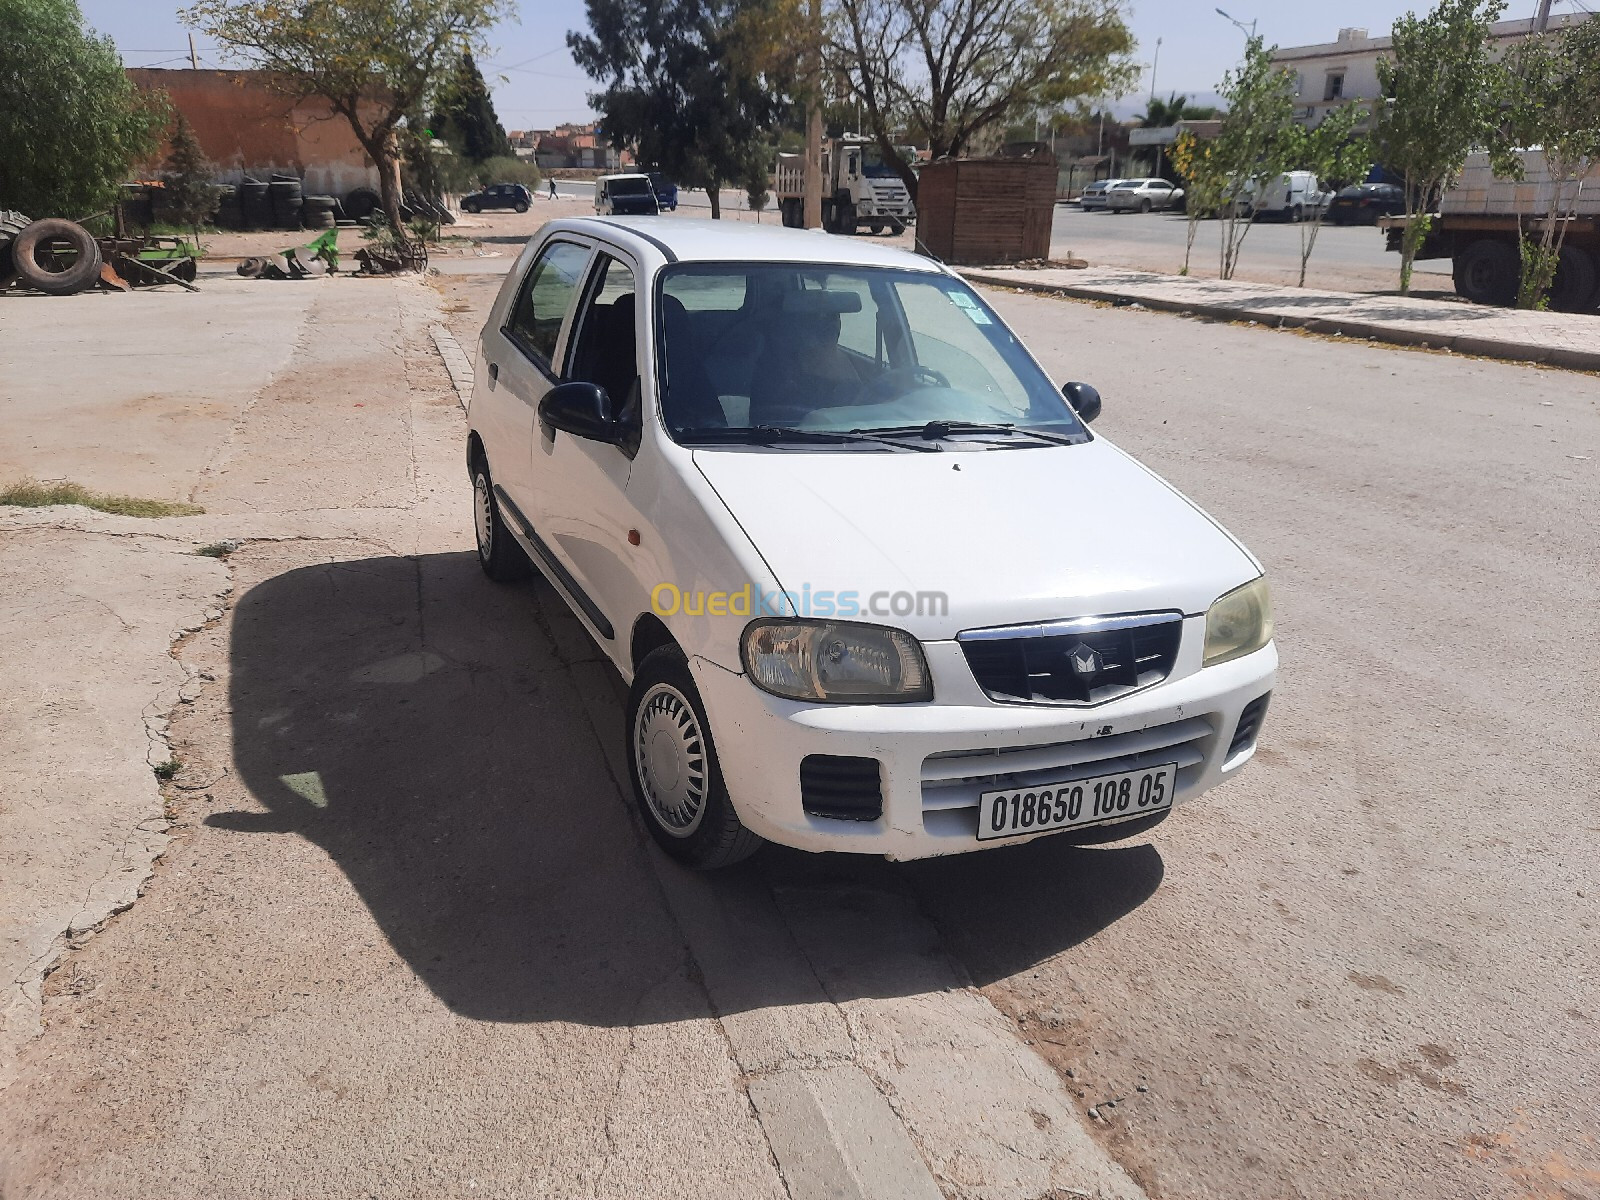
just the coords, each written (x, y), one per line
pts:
(934, 759)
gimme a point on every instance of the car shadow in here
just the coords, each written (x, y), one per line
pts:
(425, 728)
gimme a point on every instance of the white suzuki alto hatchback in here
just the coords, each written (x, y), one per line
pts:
(875, 584)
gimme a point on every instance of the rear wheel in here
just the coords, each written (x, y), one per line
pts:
(499, 555)
(1577, 277)
(1486, 272)
(672, 765)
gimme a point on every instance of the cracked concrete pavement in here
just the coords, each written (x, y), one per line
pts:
(406, 936)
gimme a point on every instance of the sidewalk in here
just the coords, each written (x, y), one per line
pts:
(1568, 340)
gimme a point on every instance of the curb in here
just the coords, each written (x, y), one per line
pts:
(1522, 352)
(456, 361)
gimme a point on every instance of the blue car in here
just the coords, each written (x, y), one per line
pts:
(666, 193)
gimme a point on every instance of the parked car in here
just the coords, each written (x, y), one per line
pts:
(498, 195)
(1294, 195)
(1143, 195)
(1364, 203)
(874, 584)
(625, 195)
(666, 191)
(1094, 194)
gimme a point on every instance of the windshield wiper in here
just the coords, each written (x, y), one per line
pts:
(942, 429)
(773, 435)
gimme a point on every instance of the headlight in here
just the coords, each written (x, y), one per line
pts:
(1238, 624)
(838, 661)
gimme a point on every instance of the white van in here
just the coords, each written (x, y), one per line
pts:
(1294, 196)
(625, 196)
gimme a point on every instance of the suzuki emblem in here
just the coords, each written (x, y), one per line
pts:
(1084, 660)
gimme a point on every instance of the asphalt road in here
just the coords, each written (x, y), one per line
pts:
(1368, 967)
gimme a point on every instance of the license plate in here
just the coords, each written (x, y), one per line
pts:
(1094, 801)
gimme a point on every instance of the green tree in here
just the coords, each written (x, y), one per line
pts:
(1552, 101)
(1204, 183)
(1256, 143)
(1441, 91)
(374, 61)
(1337, 155)
(71, 123)
(191, 194)
(687, 85)
(948, 70)
(466, 118)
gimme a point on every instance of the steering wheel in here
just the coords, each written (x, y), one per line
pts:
(903, 379)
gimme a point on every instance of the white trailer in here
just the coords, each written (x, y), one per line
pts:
(858, 189)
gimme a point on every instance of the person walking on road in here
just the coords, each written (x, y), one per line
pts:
(553, 195)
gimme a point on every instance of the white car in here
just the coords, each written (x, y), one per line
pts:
(1143, 195)
(1094, 194)
(874, 584)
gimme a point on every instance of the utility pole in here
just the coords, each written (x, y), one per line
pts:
(1156, 62)
(1541, 20)
(194, 59)
(811, 181)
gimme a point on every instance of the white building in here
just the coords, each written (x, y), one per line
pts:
(1346, 69)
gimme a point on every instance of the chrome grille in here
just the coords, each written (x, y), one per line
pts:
(1086, 661)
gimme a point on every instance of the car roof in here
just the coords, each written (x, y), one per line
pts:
(696, 240)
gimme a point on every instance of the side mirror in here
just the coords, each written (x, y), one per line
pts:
(581, 409)
(1084, 399)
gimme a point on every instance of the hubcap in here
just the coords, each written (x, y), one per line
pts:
(670, 753)
(483, 515)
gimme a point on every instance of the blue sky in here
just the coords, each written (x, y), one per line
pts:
(536, 84)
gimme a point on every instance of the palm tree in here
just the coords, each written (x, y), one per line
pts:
(1158, 114)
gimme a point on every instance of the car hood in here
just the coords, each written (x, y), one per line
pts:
(1009, 536)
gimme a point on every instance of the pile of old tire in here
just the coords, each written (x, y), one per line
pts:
(362, 203)
(287, 198)
(317, 212)
(230, 208)
(59, 258)
(255, 201)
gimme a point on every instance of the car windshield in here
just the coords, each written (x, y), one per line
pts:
(634, 185)
(764, 347)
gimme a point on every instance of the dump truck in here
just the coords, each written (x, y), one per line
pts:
(859, 189)
(1483, 217)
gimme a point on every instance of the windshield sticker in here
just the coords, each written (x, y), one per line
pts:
(969, 306)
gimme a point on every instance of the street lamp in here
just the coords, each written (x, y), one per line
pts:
(1239, 24)
(1155, 62)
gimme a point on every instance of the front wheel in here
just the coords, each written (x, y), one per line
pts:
(1144, 206)
(499, 555)
(522, 206)
(672, 765)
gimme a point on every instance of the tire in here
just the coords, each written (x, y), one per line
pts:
(1576, 282)
(522, 206)
(1486, 272)
(672, 766)
(896, 228)
(1297, 214)
(362, 203)
(1144, 205)
(35, 256)
(469, 208)
(501, 558)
